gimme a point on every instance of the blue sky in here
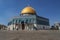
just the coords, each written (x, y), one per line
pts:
(45, 8)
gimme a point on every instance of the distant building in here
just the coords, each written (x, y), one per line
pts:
(28, 20)
(3, 27)
(57, 26)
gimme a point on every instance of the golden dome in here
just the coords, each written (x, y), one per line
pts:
(28, 10)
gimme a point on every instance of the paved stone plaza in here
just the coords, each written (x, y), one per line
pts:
(30, 35)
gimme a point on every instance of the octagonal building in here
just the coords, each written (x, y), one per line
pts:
(28, 20)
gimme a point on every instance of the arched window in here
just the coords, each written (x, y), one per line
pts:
(29, 20)
(16, 21)
(19, 21)
(26, 21)
(13, 21)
